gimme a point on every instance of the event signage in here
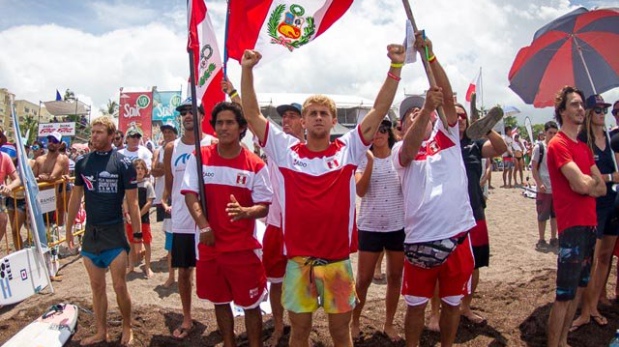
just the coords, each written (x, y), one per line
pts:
(136, 111)
(65, 129)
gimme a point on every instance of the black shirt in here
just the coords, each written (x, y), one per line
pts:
(471, 154)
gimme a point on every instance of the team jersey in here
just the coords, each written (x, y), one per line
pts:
(572, 209)
(435, 187)
(317, 192)
(105, 176)
(182, 222)
(247, 178)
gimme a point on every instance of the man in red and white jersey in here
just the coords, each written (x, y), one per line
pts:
(437, 211)
(184, 232)
(317, 196)
(237, 191)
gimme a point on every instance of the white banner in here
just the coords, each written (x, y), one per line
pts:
(65, 129)
(47, 199)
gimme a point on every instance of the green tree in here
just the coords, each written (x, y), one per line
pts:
(32, 124)
(110, 108)
(69, 95)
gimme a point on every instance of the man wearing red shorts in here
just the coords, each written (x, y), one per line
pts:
(576, 182)
(437, 211)
(237, 191)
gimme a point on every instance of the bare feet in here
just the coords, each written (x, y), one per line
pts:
(273, 341)
(169, 283)
(433, 324)
(355, 331)
(148, 272)
(473, 317)
(127, 338)
(391, 333)
(95, 339)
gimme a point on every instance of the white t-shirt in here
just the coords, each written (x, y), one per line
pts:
(142, 153)
(543, 168)
(435, 187)
(509, 141)
(182, 222)
(382, 206)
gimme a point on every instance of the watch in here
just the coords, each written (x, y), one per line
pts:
(206, 230)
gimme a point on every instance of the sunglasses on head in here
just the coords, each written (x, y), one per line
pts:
(600, 110)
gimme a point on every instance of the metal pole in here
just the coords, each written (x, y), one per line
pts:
(225, 67)
(426, 64)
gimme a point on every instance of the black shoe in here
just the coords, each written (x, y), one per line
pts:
(541, 245)
(481, 127)
(554, 242)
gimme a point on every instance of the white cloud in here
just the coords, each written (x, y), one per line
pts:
(145, 46)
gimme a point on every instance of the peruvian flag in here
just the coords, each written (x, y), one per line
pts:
(277, 27)
(208, 72)
(473, 86)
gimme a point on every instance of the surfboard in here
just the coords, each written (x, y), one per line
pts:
(52, 329)
(21, 276)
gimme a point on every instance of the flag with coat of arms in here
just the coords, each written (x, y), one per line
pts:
(278, 27)
(208, 72)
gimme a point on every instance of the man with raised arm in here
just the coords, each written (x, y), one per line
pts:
(318, 200)
(437, 211)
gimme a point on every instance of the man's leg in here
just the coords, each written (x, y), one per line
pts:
(225, 322)
(275, 297)
(450, 317)
(117, 270)
(339, 328)
(99, 302)
(560, 320)
(504, 174)
(253, 326)
(541, 227)
(184, 290)
(553, 228)
(465, 307)
(365, 271)
(413, 324)
(300, 328)
(435, 312)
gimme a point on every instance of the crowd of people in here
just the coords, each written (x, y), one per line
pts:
(306, 191)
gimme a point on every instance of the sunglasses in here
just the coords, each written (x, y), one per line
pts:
(35, 148)
(383, 129)
(184, 112)
(600, 110)
(52, 140)
(615, 112)
(462, 116)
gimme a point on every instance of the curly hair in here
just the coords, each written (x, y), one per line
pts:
(561, 101)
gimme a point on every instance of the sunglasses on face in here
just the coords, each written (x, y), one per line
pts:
(184, 112)
(53, 140)
(600, 110)
(462, 116)
(615, 112)
(383, 129)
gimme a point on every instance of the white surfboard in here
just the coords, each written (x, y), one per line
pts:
(52, 329)
(21, 276)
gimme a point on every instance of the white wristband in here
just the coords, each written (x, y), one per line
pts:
(610, 177)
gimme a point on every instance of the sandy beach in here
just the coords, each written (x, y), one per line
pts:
(515, 295)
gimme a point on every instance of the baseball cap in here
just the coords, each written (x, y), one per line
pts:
(169, 125)
(281, 109)
(133, 131)
(386, 121)
(55, 135)
(188, 104)
(409, 103)
(595, 100)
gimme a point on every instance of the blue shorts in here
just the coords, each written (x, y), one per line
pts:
(105, 258)
(168, 241)
(574, 261)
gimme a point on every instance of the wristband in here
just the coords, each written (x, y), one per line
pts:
(610, 177)
(233, 93)
(432, 59)
(396, 65)
(392, 76)
(205, 230)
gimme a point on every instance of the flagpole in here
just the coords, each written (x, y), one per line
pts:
(481, 88)
(197, 127)
(225, 65)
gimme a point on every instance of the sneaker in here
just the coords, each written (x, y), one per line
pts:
(481, 127)
(554, 242)
(541, 245)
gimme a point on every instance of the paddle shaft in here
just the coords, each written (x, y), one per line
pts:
(426, 63)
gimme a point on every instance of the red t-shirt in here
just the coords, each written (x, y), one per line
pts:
(572, 209)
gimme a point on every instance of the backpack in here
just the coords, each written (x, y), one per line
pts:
(541, 154)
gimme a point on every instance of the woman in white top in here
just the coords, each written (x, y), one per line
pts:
(519, 148)
(381, 226)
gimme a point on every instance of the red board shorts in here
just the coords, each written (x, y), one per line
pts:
(454, 277)
(232, 276)
(273, 254)
(147, 236)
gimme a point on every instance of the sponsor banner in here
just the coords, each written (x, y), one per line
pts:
(136, 110)
(164, 111)
(65, 129)
(47, 199)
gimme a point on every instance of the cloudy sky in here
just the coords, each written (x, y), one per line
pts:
(96, 47)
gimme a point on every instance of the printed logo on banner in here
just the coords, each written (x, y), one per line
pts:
(294, 30)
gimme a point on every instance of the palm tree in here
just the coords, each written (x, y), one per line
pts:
(69, 95)
(110, 109)
(30, 123)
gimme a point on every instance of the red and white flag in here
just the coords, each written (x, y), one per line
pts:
(276, 27)
(473, 87)
(208, 72)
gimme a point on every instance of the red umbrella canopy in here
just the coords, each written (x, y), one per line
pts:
(580, 49)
